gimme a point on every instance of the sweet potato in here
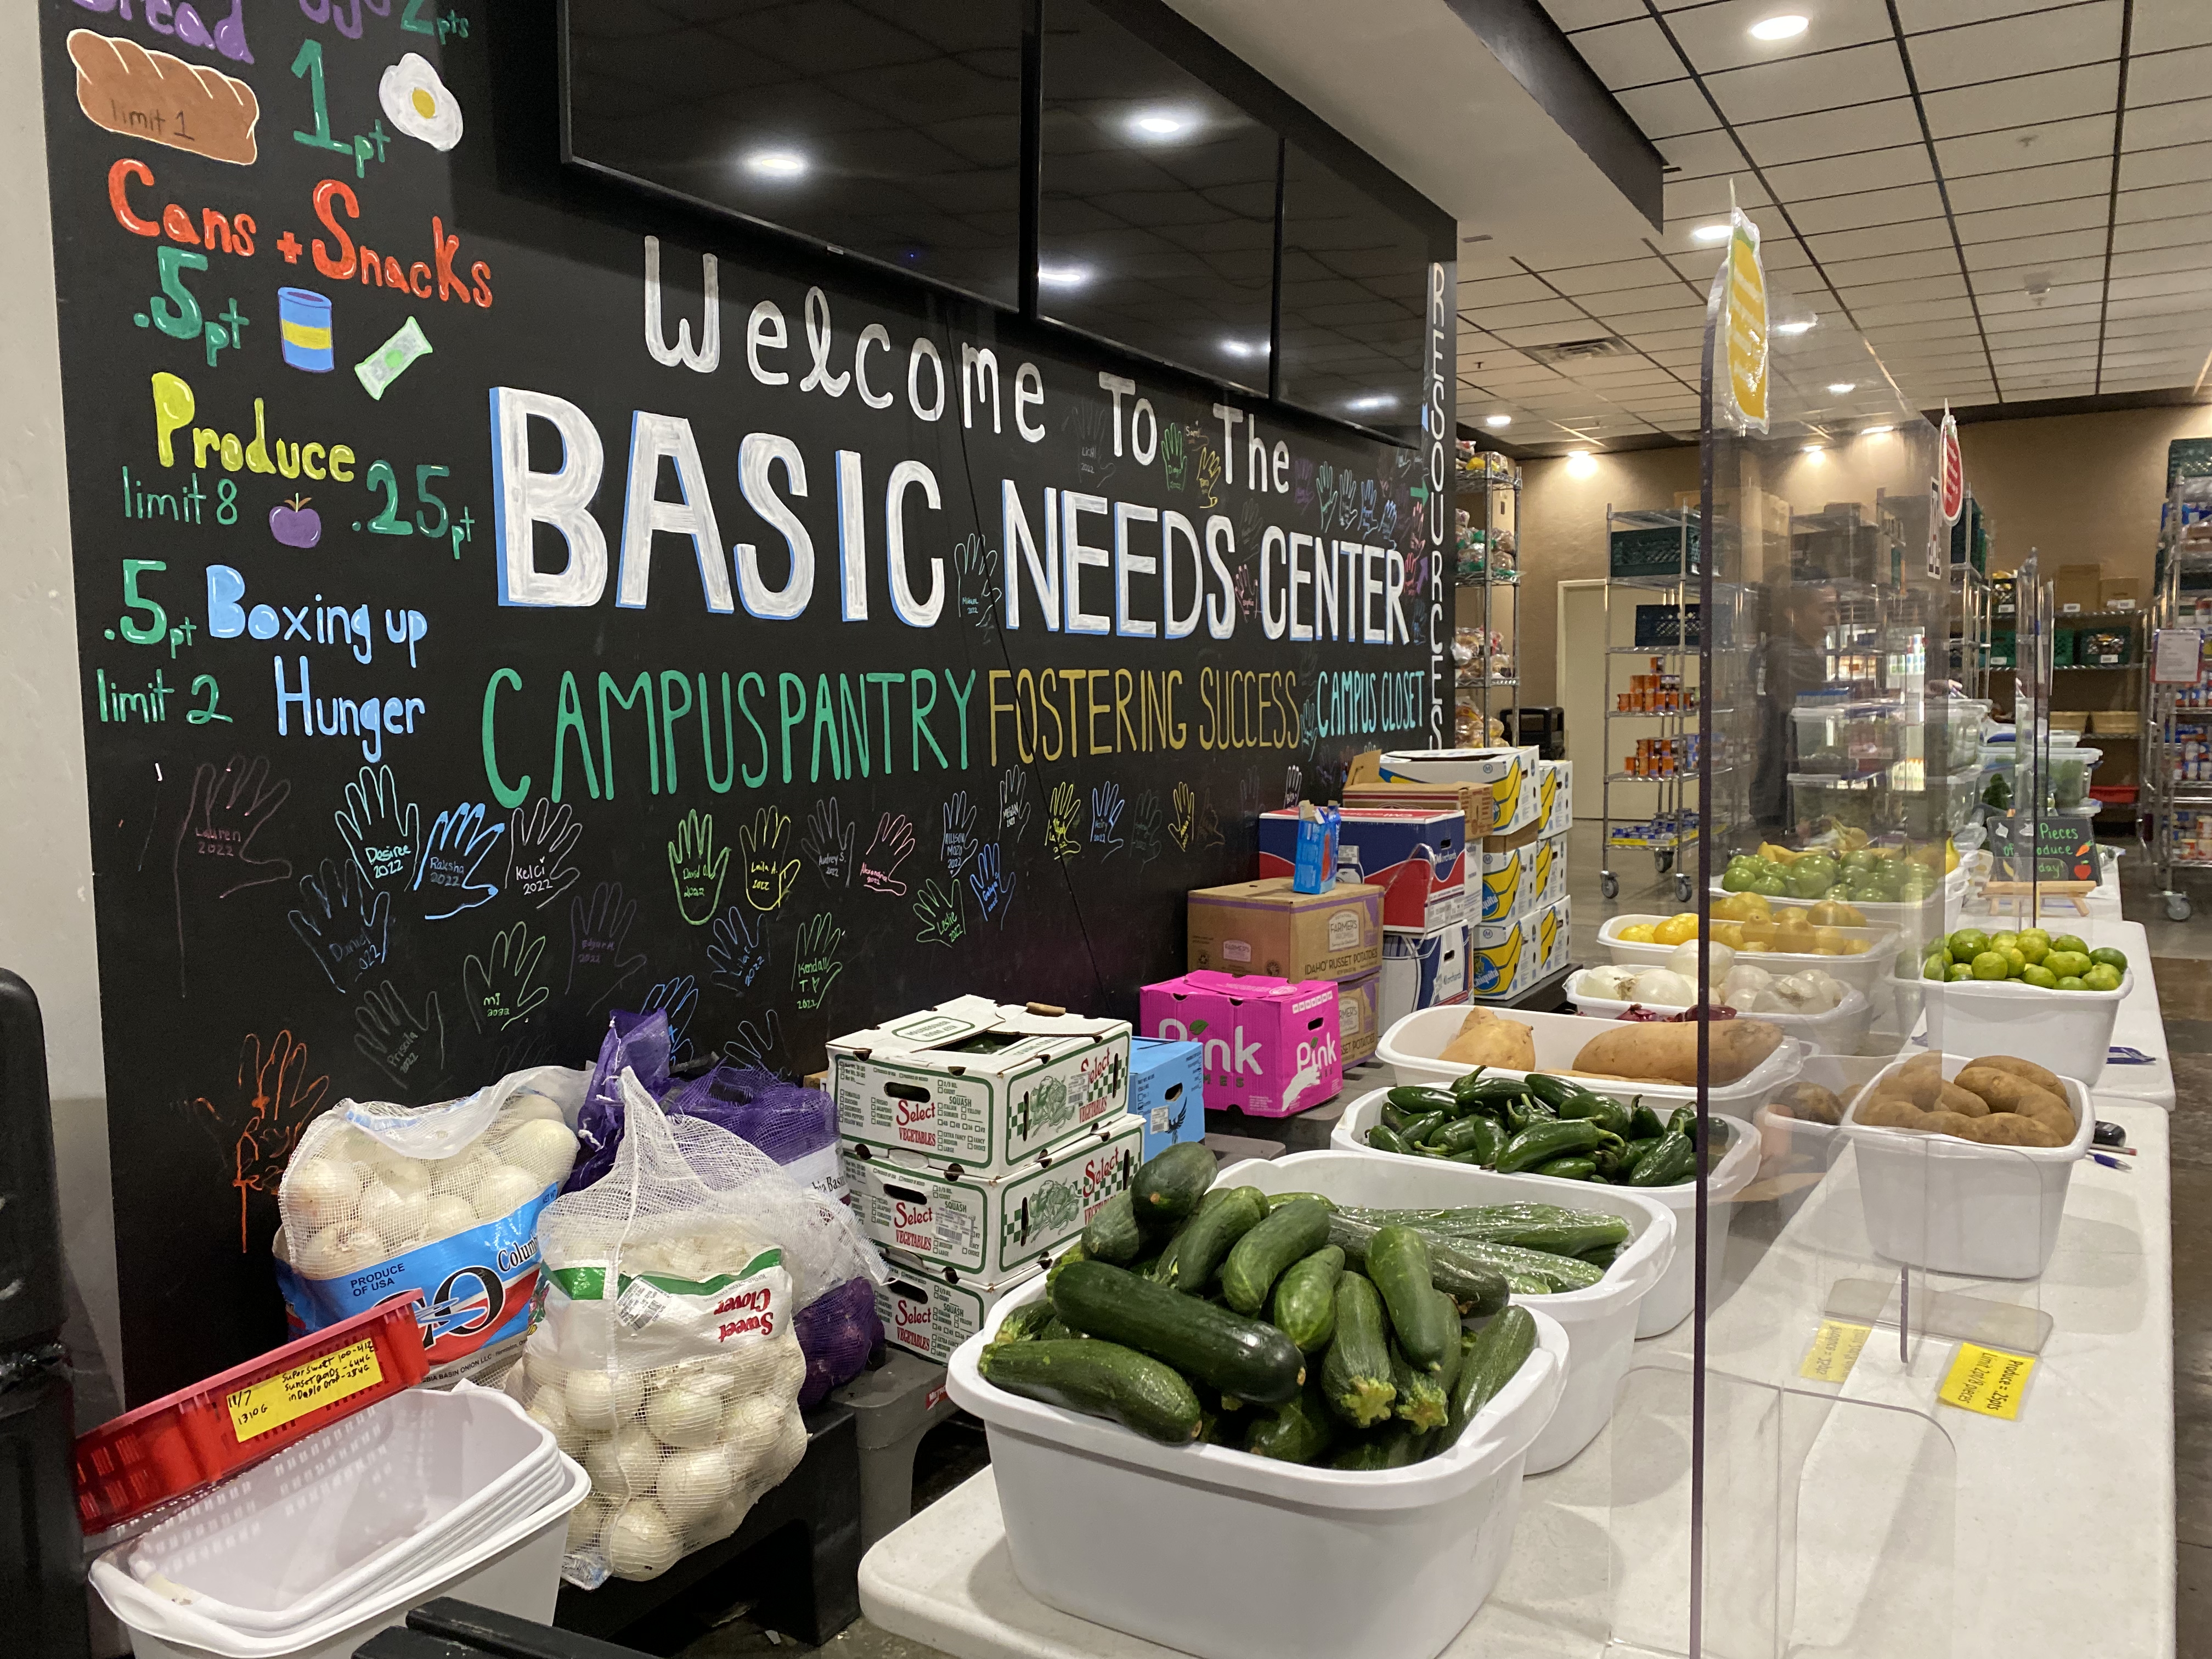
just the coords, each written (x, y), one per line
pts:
(1668, 1053)
(1484, 1039)
(1891, 1112)
(2007, 1093)
(2013, 1129)
(2027, 1068)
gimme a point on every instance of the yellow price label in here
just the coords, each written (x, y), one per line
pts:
(1986, 1380)
(261, 1407)
(1835, 1350)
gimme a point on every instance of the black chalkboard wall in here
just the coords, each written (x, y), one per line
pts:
(438, 701)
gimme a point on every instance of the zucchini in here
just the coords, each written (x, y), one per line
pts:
(1099, 1379)
(1491, 1356)
(1448, 1377)
(1478, 1287)
(1072, 1253)
(1188, 1263)
(1299, 1431)
(1392, 1449)
(1168, 1187)
(1241, 1357)
(1024, 1323)
(1421, 1399)
(1112, 1233)
(1398, 1262)
(1355, 1378)
(1258, 1259)
(1305, 1299)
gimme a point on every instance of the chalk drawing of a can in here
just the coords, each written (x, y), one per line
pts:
(304, 320)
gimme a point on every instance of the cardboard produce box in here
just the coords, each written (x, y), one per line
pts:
(982, 1084)
(1360, 1016)
(931, 1311)
(1547, 871)
(2078, 587)
(1422, 970)
(1507, 959)
(1555, 797)
(2115, 722)
(1506, 885)
(1167, 1091)
(1365, 789)
(1510, 774)
(1268, 927)
(1271, 1046)
(1417, 858)
(2122, 593)
(986, 1227)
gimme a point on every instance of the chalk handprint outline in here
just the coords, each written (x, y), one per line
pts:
(279, 1102)
(1013, 802)
(767, 873)
(343, 921)
(1209, 474)
(497, 985)
(382, 832)
(814, 964)
(598, 928)
(213, 856)
(956, 845)
(1060, 815)
(460, 840)
(399, 1043)
(1106, 806)
(891, 847)
(739, 954)
(539, 840)
(1174, 458)
(977, 567)
(994, 886)
(1145, 828)
(936, 907)
(678, 998)
(1184, 821)
(828, 845)
(696, 868)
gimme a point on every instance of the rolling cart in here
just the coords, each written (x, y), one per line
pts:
(2176, 715)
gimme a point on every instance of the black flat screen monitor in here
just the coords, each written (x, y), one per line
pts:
(890, 128)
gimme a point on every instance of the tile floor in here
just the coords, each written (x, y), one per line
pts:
(2181, 953)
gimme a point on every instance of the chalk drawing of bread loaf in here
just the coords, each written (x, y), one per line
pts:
(162, 100)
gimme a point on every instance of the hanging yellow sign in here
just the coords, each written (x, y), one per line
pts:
(1743, 326)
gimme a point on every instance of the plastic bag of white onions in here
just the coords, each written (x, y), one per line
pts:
(667, 1361)
(439, 1201)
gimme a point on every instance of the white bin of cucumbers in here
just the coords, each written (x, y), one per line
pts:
(2047, 998)
(1334, 1416)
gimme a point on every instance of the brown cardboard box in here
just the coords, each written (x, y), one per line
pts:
(1363, 786)
(2070, 720)
(1267, 927)
(2078, 587)
(2121, 594)
(1359, 1023)
(2115, 722)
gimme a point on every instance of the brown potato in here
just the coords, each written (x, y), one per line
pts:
(2012, 1129)
(1929, 1060)
(1484, 1039)
(1809, 1103)
(1921, 1085)
(2027, 1068)
(2058, 1119)
(1952, 1099)
(1949, 1123)
(1668, 1053)
(1890, 1112)
(2008, 1093)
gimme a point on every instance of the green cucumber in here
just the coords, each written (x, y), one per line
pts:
(1112, 1233)
(1398, 1261)
(1448, 1377)
(1491, 1356)
(1276, 1201)
(1392, 1449)
(1479, 1288)
(1168, 1187)
(1560, 1273)
(1099, 1379)
(1305, 1299)
(1298, 1430)
(1355, 1378)
(1241, 1357)
(1421, 1399)
(1258, 1258)
(1207, 1236)
(1024, 1321)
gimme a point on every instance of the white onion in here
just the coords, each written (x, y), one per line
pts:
(405, 1175)
(336, 1251)
(545, 1149)
(1662, 987)
(587, 1520)
(640, 1542)
(750, 1426)
(785, 1454)
(693, 1483)
(463, 1172)
(624, 1461)
(1744, 984)
(398, 1216)
(528, 1107)
(550, 1411)
(321, 1190)
(600, 1402)
(445, 1215)
(1606, 984)
(786, 1367)
(503, 1190)
(683, 1415)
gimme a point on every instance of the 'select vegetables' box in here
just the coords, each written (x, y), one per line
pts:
(1266, 928)
(992, 1227)
(1271, 1048)
(979, 1084)
(1167, 1091)
(1416, 857)
(931, 1311)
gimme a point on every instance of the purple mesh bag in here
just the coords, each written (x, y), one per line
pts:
(639, 1041)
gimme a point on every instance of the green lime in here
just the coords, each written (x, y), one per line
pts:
(2034, 950)
(2070, 942)
(2110, 957)
(2070, 982)
(1936, 967)
(2003, 941)
(2068, 964)
(1959, 971)
(2015, 963)
(1991, 964)
(2038, 934)
(2103, 977)
(2043, 977)
(1968, 943)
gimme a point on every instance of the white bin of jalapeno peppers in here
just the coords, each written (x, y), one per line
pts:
(1525, 1124)
(1334, 1412)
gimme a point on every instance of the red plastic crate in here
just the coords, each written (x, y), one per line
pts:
(144, 1459)
(2114, 794)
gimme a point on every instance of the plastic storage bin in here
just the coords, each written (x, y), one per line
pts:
(1411, 1049)
(1861, 970)
(1957, 1207)
(1836, 1032)
(1917, 799)
(1325, 1563)
(1670, 1301)
(2067, 1032)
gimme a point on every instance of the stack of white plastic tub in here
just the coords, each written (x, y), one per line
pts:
(308, 1555)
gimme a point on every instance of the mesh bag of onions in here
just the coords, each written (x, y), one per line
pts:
(442, 1200)
(667, 1359)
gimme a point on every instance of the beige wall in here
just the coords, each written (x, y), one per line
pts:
(2078, 487)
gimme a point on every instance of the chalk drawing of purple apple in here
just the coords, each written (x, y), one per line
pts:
(295, 524)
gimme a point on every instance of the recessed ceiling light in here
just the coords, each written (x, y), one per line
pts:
(1377, 400)
(1063, 275)
(1816, 450)
(1796, 326)
(1836, 388)
(1499, 420)
(1162, 124)
(1581, 462)
(1710, 234)
(1245, 348)
(1786, 27)
(776, 164)
(1875, 431)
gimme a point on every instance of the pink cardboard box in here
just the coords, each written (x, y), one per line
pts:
(1271, 1046)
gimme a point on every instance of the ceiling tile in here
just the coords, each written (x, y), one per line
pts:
(1885, 238)
(1630, 54)
(2054, 182)
(1540, 334)
(1636, 325)
(1868, 295)
(2165, 76)
(1663, 111)
(1881, 125)
(1476, 265)
(2162, 25)
(1918, 17)
(2088, 90)
(1705, 199)
(2016, 299)
(1718, 36)
(1893, 267)
(1612, 274)
(1698, 155)
(1874, 319)
(1944, 330)
(1866, 208)
(1572, 15)
(1768, 91)
(1501, 291)
(2057, 273)
(2157, 233)
(1660, 339)
(2192, 201)
(2154, 126)
(1974, 52)
(2016, 330)
(2178, 164)
(1842, 175)
(2144, 286)
(2004, 252)
(2041, 219)
(1626, 302)
(2036, 321)
(2083, 137)
(2189, 256)
(1503, 320)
